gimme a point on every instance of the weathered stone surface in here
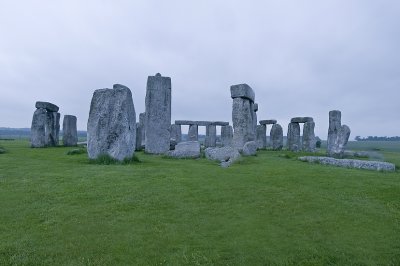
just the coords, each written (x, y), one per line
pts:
(255, 107)
(142, 123)
(48, 106)
(225, 155)
(276, 136)
(139, 135)
(350, 163)
(158, 114)
(242, 118)
(52, 127)
(176, 133)
(242, 91)
(211, 136)
(309, 137)
(193, 133)
(261, 136)
(254, 119)
(267, 122)
(293, 137)
(226, 135)
(249, 148)
(338, 135)
(186, 149)
(111, 127)
(200, 123)
(70, 131)
(301, 119)
(38, 132)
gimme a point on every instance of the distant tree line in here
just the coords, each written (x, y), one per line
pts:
(376, 138)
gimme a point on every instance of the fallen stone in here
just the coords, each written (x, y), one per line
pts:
(276, 136)
(249, 148)
(38, 132)
(70, 132)
(48, 106)
(242, 91)
(186, 149)
(267, 122)
(301, 119)
(225, 155)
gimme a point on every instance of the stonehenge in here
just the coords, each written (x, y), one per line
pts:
(338, 135)
(307, 143)
(45, 127)
(226, 135)
(111, 127)
(276, 136)
(70, 132)
(186, 149)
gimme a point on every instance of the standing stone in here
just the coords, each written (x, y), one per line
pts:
(48, 106)
(293, 137)
(193, 133)
(70, 131)
(226, 135)
(142, 123)
(139, 135)
(255, 109)
(338, 135)
(309, 137)
(211, 136)
(111, 126)
(276, 136)
(158, 114)
(176, 133)
(52, 127)
(38, 132)
(261, 136)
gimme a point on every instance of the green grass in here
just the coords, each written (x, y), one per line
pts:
(269, 209)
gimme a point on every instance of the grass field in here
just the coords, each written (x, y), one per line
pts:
(270, 209)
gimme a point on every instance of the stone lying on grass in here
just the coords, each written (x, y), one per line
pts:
(249, 148)
(186, 149)
(225, 155)
(350, 163)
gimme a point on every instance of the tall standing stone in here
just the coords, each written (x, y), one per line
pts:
(176, 133)
(158, 114)
(211, 136)
(142, 123)
(52, 127)
(193, 133)
(276, 136)
(139, 135)
(38, 132)
(293, 137)
(309, 137)
(111, 126)
(226, 135)
(261, 136)
(338, 135)
(255, 110)
(70, 131)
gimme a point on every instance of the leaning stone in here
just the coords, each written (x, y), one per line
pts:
(158, 114)
(225, 155)
(111, 127)
(267, 122)
(338, 135)
(211, 136)
(242, 91)
(261, 136)
(301, 119)
(48, 106)
(70, 132)
(38, 132)
(193, 133)
(249, 148)
(350, 163)
(226, 135)
(242, 118)
(186, 149)
(276, 136)
(309, 137)
(293, 137)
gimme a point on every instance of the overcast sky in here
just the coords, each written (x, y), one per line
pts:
(302, 58)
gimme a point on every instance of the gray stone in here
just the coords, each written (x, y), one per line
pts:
(255, 107)
(111, 127)
(276, 136)
(186, 149)
(309, 137)
(48, 106)
(193, 133)
(242, 91)
(267, 122)
(350, 163)
(226, 135)
(176, 133)
(225, 155)
(201, 123)
(254, 117)
(52, 127)
(38, 132)
(242, 118)
(142, 123)
(261, 136)
(301, 119)
(293, 137)
(211, 136)
(70, 131)
(338, 135)
(158, 114)
(139, 136)
(249, 148)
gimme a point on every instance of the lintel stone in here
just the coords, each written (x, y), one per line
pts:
(268, 122)
(242, 91)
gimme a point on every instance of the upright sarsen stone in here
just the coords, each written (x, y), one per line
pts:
(70, 132)
(211, 136)
(38, 132)
(158, 114)
(293, 137)
(261, 136)
(276, 136)
(176, 133)
(226, 135)
(111, 126)
(142, 123)
(193, 133)
(139, 129)
(309, 137)
(52, 127)
(338, 135)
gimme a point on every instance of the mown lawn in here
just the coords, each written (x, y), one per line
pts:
(271, 209)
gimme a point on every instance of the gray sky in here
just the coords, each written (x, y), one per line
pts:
(302, 58)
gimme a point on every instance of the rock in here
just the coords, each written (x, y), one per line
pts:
(255, 107)
(242, 91)
(254, 117)
(211, 136)
(70, 131)
(226, 135)
(267, 122)
(261, 136)
(242, 117)
(276, 136)
(201, 123)
(350, 163)
(301, 119)
(38, 132)
(249, 148)
(193, 133)
(142, 123)
(309, 137)
(111, 127)
(176, 133)
(48, 106)
(293, 137)
(158, 114)
(139, 135)
(52, 127)
(338, 135)
(225, 155)
(186, 149)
